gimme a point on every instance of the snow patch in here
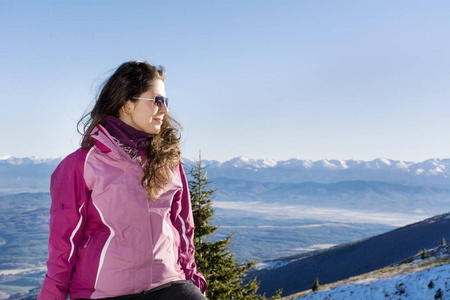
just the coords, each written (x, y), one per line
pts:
(328, 165)
(269, 162)
(3, 295)
(402, 165)
(436, 171)
(343, 164)
(272, 264)
(427, 284)
(384, 161)
(19, 271)
(308, 164)
(316, 247)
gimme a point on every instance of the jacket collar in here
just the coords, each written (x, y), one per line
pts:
(105, 143)
(126, 134)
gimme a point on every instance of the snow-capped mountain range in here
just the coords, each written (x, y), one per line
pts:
(430, 167)
(32, 160)
(433, 166)
(32, 174)
(435, 172)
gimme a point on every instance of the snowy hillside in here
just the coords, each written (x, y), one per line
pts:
(348, 260)
(429, 284)
(421, 279)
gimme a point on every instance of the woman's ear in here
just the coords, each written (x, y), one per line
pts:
(126, 110)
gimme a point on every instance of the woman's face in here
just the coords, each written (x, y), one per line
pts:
(144, 115)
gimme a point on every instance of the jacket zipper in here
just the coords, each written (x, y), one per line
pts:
(85, 245)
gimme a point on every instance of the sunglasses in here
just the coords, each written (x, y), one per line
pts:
(159, 101)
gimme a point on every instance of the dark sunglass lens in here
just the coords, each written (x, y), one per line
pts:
(160, 100)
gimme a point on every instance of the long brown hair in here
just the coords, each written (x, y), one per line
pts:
(130, 80)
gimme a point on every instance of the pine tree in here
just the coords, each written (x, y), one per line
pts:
(424, 254)
(443, 242)
(223, 274)
(316, 285)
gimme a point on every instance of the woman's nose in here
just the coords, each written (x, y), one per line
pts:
(164, 109)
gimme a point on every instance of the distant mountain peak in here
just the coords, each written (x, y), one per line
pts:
(35, 160)
(242, 162)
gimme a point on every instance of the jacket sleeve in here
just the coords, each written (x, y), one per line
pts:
(184, 222)
(69, 195)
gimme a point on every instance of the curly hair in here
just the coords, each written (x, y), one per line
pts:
(131, 79)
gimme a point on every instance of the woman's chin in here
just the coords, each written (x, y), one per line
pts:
(153, 131)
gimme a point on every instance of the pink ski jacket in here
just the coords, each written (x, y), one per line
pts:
(107, 238)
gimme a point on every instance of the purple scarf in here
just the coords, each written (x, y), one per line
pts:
(127, 135)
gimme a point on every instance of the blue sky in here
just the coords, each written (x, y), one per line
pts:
(261, 79)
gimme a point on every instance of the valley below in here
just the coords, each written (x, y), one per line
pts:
(273, 218)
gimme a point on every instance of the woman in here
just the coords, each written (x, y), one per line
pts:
(121, 223)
